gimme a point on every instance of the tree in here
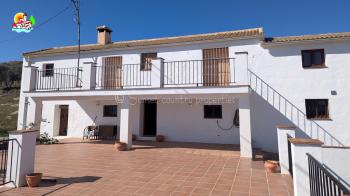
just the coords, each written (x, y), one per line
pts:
(10, 73)
(3, 74)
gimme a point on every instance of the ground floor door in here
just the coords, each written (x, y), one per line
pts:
(150, 118)
(63, 120)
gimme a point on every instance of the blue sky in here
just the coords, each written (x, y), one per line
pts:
(138, 19)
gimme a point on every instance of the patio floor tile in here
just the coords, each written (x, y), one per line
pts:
(150, 168)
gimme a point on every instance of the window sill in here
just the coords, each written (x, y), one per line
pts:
(316, 67)
(320, 119)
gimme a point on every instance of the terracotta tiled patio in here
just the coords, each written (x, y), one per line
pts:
(95, 168)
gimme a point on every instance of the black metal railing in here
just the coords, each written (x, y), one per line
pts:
(290, 157)
(119, 76)
(323, 182)
(206, 72)
(58, 79)
(6, 160)
(290, 111)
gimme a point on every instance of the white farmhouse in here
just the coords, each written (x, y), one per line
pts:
(230, 87)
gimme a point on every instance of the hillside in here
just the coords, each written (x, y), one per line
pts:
(8, 111)
(10, 75)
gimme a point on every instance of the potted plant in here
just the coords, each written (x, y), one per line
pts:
(271, 166)
(33, 179)
(160, 138)
(121, 146)
(30, 126)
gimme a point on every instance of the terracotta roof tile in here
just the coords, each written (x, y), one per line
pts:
(238, 34)
(291, 39)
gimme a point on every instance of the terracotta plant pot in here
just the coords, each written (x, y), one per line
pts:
(271, 166)
(160, 138)
(33, 179)
(121, 146)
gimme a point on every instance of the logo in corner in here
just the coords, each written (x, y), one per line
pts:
(22, 23)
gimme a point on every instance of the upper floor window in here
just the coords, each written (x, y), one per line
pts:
(48, 70)
(212, 111)
(146, 61)
(110, 111)
(317, 108)
(313, 58)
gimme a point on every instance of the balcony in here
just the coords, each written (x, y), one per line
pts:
(58, 79)
(159, 74)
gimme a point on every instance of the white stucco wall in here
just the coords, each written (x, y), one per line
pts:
(189, 126)
(184, 122)
(281, 67)
(81, 114)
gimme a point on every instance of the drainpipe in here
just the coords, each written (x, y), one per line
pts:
(25, 111)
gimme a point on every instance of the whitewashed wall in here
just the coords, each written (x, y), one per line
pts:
(281, 67)
(184, 122)
(81, 114)
(190, 125)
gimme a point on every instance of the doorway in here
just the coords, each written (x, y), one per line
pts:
(150, 118)
(63, 120)
(112, 72)
(216, 67)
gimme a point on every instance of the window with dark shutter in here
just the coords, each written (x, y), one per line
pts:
(212, 111)
(146, 61)
(48, 70)
(110, 111)
(313, 58)
(317, 108)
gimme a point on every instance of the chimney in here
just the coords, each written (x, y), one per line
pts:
(103, 35)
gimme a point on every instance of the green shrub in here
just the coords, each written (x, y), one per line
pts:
(46, 139)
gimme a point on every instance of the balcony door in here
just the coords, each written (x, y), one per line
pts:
(112, 72)
(216, 67)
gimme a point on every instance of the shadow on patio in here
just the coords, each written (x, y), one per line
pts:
(53, 184)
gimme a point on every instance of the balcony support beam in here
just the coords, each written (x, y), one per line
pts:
(245, 132)
(125, 128)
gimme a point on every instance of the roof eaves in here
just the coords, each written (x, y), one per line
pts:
(228, 35)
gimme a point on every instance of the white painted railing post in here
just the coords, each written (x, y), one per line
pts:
(157, 73)
(89, 76)
(21, 157)
(241, 67)
(29, 78)
(283, 132)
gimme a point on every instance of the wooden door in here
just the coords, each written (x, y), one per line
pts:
(216, 67)
(112, 72)
(63, 120)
